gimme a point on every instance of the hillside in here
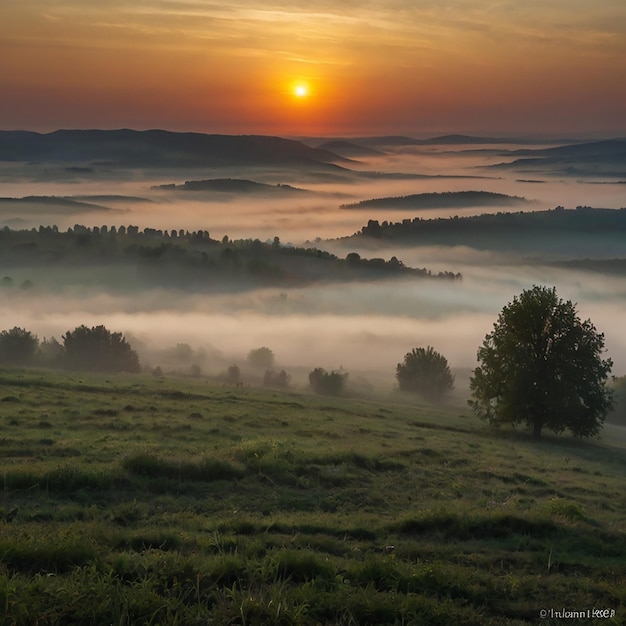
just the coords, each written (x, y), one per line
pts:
(52, 205)
(598, 158)
(349, 149)
(583, 231)
(157, 148)
(135, 499)
(130, 259)
(231, 185)
(444, 200)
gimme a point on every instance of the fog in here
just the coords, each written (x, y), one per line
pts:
(295, 217)
(365, 328)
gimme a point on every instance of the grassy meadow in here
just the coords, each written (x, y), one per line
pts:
(139, 500)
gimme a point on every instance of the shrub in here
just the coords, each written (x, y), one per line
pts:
(327, 383)
(426, 372)
(276, 379)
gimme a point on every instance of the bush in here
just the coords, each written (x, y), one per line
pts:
(276, 379)
(233, 375)
(426, 372)
(327, 383)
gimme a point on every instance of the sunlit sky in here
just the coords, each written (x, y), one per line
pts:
(319, 67)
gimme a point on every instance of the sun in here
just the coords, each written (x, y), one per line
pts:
(301, 91)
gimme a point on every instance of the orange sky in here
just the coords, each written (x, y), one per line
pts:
(402, 66)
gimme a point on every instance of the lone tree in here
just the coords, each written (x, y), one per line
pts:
(97, 349)
(542, 366)
(426, 372)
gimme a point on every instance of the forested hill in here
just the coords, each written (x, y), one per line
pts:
(231, 185)
(501, 230)
(446, 199)
(597, 158)
(158, 148)
(128, 258)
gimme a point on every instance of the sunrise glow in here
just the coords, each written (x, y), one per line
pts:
(382, 68)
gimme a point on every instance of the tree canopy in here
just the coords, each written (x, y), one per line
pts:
(261, 357)
(542, 366)
(425, 371)
(98, 349)
(18, 346)
(327, 383)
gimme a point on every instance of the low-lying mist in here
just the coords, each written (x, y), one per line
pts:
(295, 218)
(366, 328)
(363, 327)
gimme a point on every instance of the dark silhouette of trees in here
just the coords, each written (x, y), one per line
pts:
(327, 383)
(426, 372)
(97, 349)
(18, 346)
(261, 357)
(542, 366)
(233, 375)
(276, 379)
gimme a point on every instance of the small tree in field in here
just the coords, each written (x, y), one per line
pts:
(426, 372)
(261, 358)
(542, 366)
(233, 375)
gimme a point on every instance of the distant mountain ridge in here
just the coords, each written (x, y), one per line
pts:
(375, 142)
(36, 205)
(349, 149)
(158, 148)
(595, 158)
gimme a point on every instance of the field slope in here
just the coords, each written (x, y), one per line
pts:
(141, 500)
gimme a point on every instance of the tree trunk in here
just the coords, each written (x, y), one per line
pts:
(537, 426)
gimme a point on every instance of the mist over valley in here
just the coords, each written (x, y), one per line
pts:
(258, 189)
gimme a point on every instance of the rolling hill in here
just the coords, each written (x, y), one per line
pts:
(445, 200)
(158, 148)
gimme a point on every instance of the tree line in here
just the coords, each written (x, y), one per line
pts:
(94, 349)
(559, 221)
(192, 258)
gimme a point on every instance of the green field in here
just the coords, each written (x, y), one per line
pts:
(136, 500)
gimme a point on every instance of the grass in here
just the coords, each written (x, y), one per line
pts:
(134, 500)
